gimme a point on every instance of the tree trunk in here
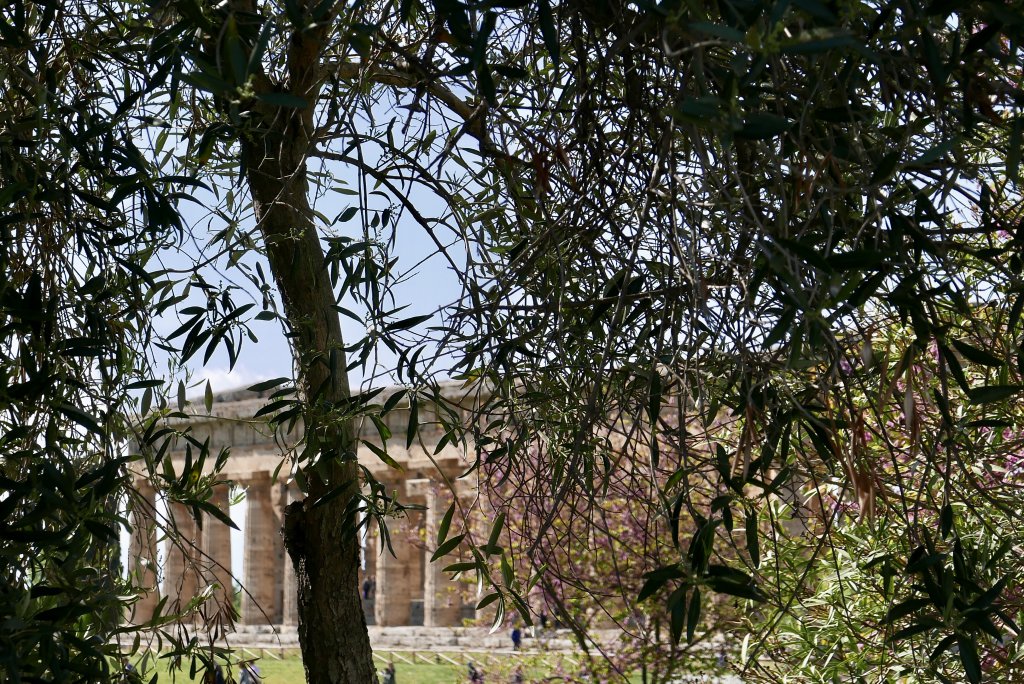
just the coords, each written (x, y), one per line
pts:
(321, 541)
(275, 140)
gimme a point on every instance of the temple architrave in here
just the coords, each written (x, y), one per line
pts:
(401, 589)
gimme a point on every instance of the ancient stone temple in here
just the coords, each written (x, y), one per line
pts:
(403, 588)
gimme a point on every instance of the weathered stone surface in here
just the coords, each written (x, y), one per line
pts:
(264, 554)
(216, 560)
(181, 569)
(142, 553)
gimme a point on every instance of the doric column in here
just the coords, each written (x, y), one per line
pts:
(181, 582)
(217, 553)
(142, 556)
(263, 566)
(442, 602)
(400, 576)
(290, 602)
(368, 574)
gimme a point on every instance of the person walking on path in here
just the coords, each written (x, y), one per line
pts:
(250, 674)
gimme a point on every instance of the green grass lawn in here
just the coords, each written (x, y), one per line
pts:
(288, 669)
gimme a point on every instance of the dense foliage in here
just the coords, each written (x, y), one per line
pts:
(804, 216)
(83, 210)
(799, 221)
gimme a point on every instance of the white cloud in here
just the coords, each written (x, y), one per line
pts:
(222, 380)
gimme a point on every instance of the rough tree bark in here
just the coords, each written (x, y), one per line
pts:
(321, 540)
(275, 142)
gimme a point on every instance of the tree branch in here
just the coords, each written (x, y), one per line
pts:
(473, 116)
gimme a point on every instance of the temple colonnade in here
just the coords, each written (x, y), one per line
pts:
(403, 588)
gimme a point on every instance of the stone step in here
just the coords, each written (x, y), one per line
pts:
(412, 638)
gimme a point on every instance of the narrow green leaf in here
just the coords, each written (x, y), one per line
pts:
(446, 521)
(942, 647)
(747, 591)
(677, 613)
(886, 167)
(382, 429)
(1014, 149)
(485, 83)
(908, 607)
(976, 354)
(207, 81)
(499, 522)
(506, 571)
(718, 31)
(969, 657)
(993, 393)
(923, 625)
(486, 601)
(808, 47)
(460, 567)
(382, 455)
(260, 47)
(144, 384)
(407, 323)
(147, 401)
(946, 520)
(693, 615)
(548, 30)
(753, 547)
(656, 579)
(267, 384)
(953, 363)
(273, 407)
(499, 617)
(414, 423)
(217, 513)
(447, 547)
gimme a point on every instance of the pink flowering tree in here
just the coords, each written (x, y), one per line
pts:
(797, 303)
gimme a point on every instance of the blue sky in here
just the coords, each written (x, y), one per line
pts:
(431, 284)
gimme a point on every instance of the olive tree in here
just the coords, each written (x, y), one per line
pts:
(724, 202)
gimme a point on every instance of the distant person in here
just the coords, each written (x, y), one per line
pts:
(214, 675)
(543, 620)
(389, 674)
(366, 588)
(128, 673)
(517, 638)
(250, 674)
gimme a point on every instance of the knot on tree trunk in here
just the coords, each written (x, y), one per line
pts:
(294, 530)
